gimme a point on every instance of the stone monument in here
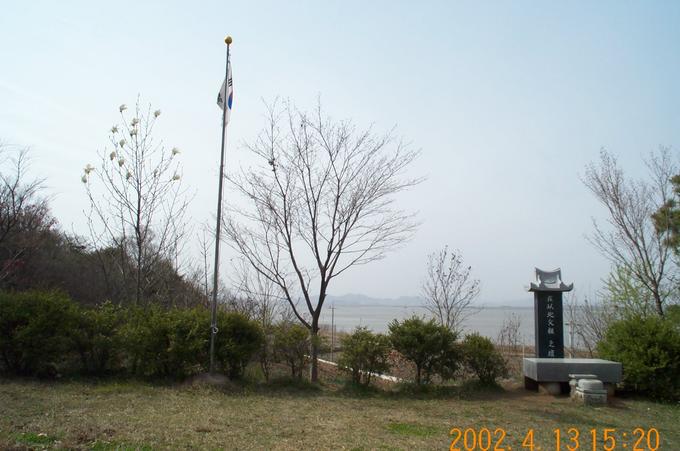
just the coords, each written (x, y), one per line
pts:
(549, 336)
(549, 369)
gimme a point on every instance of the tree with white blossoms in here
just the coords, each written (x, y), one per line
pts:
(137, 203)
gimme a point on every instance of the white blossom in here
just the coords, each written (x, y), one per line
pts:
(121, 161)
(133, 132)
(121, 142)
(134, 122)
(122, 108)
(175, 151)
(128, 175)
(175, 177)
(112, 155)
(89, 168)
(114, 129)
(83, 178)
(156, 113)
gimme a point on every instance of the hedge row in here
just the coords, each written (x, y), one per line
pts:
(433, 349)
(45, 333)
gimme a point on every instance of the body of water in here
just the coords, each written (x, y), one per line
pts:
(487, 321)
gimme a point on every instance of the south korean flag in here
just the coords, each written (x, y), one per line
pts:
(226, 92)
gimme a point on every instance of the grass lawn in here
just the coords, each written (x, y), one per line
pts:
(133, 415)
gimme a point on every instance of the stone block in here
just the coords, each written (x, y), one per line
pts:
(574, 380)
(559, 370)
(591, 397)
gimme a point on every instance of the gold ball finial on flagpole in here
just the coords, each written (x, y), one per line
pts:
(228, 40)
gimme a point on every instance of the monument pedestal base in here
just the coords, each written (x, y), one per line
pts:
(552, 373)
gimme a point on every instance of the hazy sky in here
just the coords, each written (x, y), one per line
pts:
(507, 100)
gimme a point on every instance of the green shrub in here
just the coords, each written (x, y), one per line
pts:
(97, 340)
(144, 341)
(364, 353)
(430, 346)
(673, 315)
(188, 341)
(174, 343)
(165, 343)
(238, 341)
(42, 333)
(291, 345)
(35, 332)
(483, 359)
(649, 349)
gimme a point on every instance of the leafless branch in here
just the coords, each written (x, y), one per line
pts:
(321, 201)
(630, 241)
(137, 203)
(449, 288)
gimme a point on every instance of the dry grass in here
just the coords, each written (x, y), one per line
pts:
(131, 415)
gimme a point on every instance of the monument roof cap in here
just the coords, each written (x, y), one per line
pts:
(549, 281)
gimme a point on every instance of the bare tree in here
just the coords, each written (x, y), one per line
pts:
(264, 296)
(321, 201)
(206, 240)
(24, 214)
(510, 342)
(268, 304)
(449, 288)
(510, 335)
(631, 241)
(574, 320)
(591, 323)
(621, 296)
(137, 204)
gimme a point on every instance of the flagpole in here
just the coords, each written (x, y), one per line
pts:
(218, 226)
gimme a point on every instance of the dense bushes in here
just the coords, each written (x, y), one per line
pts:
(237, 342)
(483, 359)
(649, 349)
(96, 339)
(431, 347)
(34, 331)
(364, 353)
(165, 343)
(46, 333)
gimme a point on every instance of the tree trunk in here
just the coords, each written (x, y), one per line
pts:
(264, 364)
(417, 374)
(658, 303)
(138, 293)
(314, 354)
